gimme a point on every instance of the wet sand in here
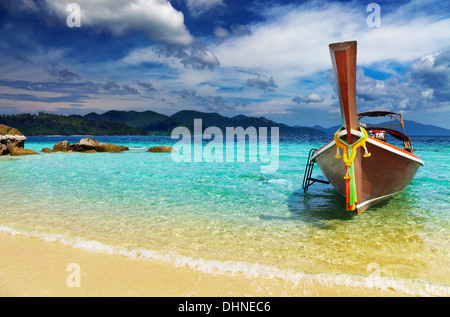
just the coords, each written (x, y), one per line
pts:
(31, 267)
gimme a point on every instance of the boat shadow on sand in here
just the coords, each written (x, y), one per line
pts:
(323, 207)
(317, 207)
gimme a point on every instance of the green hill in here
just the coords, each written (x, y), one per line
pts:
(115, 122)
(146, 120)
(186, 118)
(156, 123)
(52, 124)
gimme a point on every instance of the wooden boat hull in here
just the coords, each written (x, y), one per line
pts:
(387, 171)
(369, 170)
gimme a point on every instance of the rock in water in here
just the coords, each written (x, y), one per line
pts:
(77, 147)
(111, 148)
(89, 142)
(12, 141)
(62, 146)
(16, 151)
(6, 130)
(85, 144)
(161, 149)
(90, 145)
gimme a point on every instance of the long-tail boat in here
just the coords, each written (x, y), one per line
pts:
(359, 162)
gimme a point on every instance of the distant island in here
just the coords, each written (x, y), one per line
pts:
(148, 122)
(115, 122)
(412, 128)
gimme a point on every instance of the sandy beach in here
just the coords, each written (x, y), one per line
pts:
(30, 267)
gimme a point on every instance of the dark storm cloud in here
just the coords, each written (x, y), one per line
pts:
(63, 74)
(147, 87)
(262, 82)
(425, 85)
(196, 56)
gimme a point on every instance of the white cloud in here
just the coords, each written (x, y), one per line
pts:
(424, 87)
(221, 32)
(156, 18)
(311, 98)
(293, 40)
(291, 44)
(197, 56)
(22, 5)
(428, 93)
(198, 7)
(200, 57)
(147, 55)
(288, 43)
(235, 30)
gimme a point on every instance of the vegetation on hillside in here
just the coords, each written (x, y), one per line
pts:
(52, 124)
(116, 122)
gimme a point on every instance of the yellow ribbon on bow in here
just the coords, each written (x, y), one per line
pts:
(348, 157)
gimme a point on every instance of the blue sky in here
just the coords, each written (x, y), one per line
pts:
(253, 57)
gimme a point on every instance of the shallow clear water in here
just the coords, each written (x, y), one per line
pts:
(230, 217)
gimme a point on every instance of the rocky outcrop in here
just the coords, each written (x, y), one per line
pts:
(89, 145)
(91, 142)
(111, 148)
(161, 149)
(16, 151)
(62, 146)
(12, 141)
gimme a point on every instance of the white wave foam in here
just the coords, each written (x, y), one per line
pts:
(249, 270)
(138, 148)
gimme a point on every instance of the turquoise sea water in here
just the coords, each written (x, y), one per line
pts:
(230, 218)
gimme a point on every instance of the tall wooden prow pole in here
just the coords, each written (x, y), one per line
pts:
(343, 56)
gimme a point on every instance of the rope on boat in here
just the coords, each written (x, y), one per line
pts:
(349, 154)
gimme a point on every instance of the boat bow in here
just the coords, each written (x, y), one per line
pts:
(368, 170)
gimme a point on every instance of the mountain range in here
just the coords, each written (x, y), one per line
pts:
(157, 123)
(115, 122)
(148, 122)
(412, 128)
